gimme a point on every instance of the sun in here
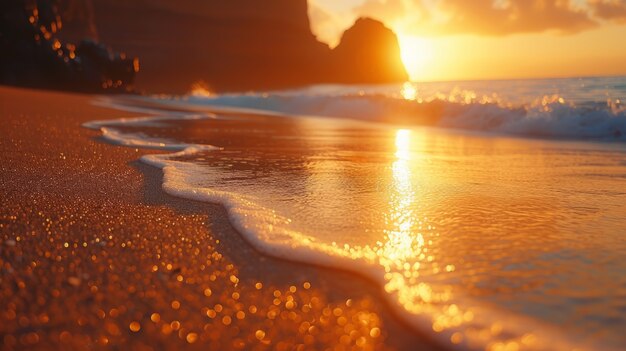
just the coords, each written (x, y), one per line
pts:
(417, 54)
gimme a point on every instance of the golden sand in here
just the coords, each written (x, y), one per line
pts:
(93, 255)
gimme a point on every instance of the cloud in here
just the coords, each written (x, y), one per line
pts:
(612, 10)
(480, 17)
(390, 10)
(515, 16)
(484, 17)
(327, 25)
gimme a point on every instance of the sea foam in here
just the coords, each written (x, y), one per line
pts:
(550, 116)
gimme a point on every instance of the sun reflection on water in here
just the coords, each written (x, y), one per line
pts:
(400, 221)
(410, 264)
(409, 91)
(403, 144)
(405, 245)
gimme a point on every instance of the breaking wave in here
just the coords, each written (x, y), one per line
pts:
(550, 116)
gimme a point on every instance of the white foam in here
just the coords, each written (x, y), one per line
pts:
(270, 233)
(139, 139)
(550, 117)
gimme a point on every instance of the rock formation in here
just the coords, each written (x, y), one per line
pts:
(368, 53)
(231, 45)
(33, 55)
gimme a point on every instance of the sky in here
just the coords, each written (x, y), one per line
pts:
(491, 39)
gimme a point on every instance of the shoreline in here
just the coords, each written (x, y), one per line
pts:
(57, 177)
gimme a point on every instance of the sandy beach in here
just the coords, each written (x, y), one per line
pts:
(312, 175)
(93, 255)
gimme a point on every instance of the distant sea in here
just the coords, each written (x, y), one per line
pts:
(567, 108)
(491, 213)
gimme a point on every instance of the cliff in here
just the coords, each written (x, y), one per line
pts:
(231, 45)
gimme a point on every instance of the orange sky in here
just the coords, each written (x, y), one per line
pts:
(491, 39)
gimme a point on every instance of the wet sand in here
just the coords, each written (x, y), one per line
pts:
(93, 255)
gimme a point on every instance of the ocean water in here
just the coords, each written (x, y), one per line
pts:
(491, 214)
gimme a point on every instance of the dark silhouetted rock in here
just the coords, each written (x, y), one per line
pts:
(78, 20)
(368, 53)
(231, 44)
(33, 55)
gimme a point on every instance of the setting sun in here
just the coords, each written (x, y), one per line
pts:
(416, 55)
(451, 40)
